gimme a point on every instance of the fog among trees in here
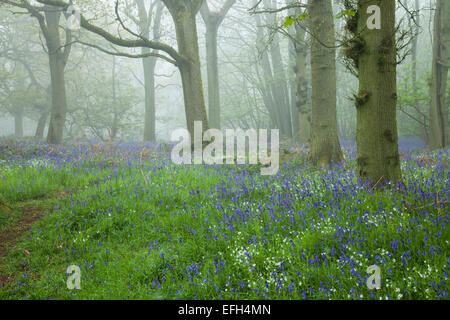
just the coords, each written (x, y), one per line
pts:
(137, 70)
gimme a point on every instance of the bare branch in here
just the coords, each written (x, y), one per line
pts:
(126, 43)
(127, 55)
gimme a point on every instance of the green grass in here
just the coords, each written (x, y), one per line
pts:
(147, 231)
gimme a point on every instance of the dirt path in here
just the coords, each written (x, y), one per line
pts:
(8, 238)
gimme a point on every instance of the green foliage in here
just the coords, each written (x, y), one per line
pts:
(346, 13)
(290, 20)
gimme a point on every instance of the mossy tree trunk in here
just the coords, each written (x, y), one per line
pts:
(325, 147)
(376, 133)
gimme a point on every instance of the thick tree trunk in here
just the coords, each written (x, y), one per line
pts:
(59, 104)
(325, 146)
(376, 102)
(57, 65)
(441, 62)
(184, 17)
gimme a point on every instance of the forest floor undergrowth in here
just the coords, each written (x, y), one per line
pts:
(24, 216)
(140, 227)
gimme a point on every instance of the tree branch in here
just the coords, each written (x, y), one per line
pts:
(127, 55)
(126, 43)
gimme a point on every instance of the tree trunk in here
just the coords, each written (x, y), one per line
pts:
(149, 65)
(45, 112)
(212, 23)
(441, 62)
(184, 16)
(18, 123)
(280, 90)
(295, 114)
(39, 135)
(302, 126)
(57, 65)
(325, 146)
(267, 76)
(414, 45)
(376, 102)
(213, 73)
(414, 51)
(115, 121)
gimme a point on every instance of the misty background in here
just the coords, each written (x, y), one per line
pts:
(106, 93)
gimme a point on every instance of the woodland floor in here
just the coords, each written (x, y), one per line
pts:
(27, 213)
(140, 227)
